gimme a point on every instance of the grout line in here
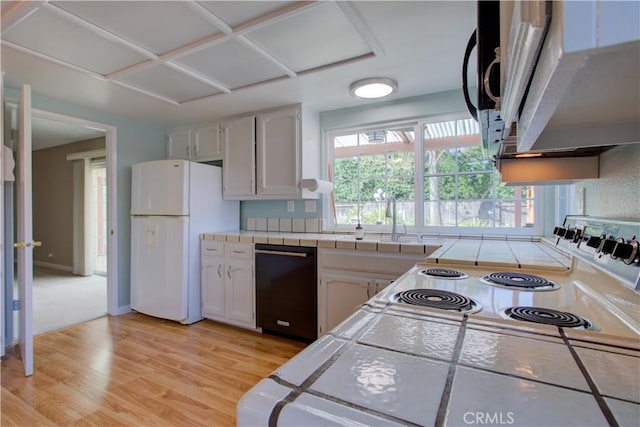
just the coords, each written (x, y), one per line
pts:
(448, 386)
(606, 411)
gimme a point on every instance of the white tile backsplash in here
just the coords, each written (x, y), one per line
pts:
(312, 225)
(273, 224)
(297, 225)
(261, 224)
(285, 225)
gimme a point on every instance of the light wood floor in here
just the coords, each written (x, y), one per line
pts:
(138, 371)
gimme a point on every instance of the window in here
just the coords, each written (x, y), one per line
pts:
(445, 181)
(462, 187)
(369, 166)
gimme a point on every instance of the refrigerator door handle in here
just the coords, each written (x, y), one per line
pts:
(219, 271)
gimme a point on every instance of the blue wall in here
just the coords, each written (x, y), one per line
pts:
(137, 142)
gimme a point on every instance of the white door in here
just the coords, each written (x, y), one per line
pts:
(159, 266)
(2, 296)
(160, 188)
(25, 242)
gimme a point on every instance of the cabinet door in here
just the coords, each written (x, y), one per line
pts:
(206, 143)
(238, 170)
(239, 293)
(179, 145)
(343, 296)
(379, 285)
(278, 153)
(212, 286)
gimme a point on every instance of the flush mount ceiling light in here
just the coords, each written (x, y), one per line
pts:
(373, 88)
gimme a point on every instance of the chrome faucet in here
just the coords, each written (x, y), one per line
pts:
(392, 213)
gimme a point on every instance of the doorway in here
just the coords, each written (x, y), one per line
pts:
(104, 245)
(69, 210)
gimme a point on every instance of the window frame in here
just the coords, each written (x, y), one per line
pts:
(418, 125)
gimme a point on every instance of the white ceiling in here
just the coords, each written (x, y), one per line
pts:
(175, 63)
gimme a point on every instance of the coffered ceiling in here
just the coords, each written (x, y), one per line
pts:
(179, 62)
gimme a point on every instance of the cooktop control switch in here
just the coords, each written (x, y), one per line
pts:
(608, 245)
(594, 242)
(559, 231)
(625, 251)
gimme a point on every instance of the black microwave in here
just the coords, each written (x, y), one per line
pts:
(486, 39)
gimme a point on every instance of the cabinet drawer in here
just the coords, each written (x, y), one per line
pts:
(240, 250)
(212, 248)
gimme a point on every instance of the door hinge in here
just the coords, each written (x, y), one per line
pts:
(16, 304)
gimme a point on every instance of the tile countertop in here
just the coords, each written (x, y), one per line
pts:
(500, 253)
(479, 251)
(371, 242)
(383, 367)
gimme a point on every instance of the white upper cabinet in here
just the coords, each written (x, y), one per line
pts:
(238, 164)
(206, 143)
(278, 153)
(267, 154)
(199, 144)
(179, 144)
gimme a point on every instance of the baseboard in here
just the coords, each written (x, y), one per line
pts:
(124, 309)
(53, 266)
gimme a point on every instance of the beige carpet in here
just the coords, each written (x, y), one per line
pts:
(61, 299)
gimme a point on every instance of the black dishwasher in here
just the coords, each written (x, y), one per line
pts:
(286, 291)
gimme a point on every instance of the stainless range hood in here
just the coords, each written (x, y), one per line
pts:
(548, 168)
(580, 97)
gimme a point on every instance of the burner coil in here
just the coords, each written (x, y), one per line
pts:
(547, 316)
(524, 281)
(435, 298)
(445, 273)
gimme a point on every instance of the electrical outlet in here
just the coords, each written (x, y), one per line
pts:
(310, 206)
(290, 206)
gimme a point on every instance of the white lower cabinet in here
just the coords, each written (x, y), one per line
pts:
(238, 297)
(347, 279)
(227, 282)
(343, 296)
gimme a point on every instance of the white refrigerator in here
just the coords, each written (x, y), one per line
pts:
(172, 203)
